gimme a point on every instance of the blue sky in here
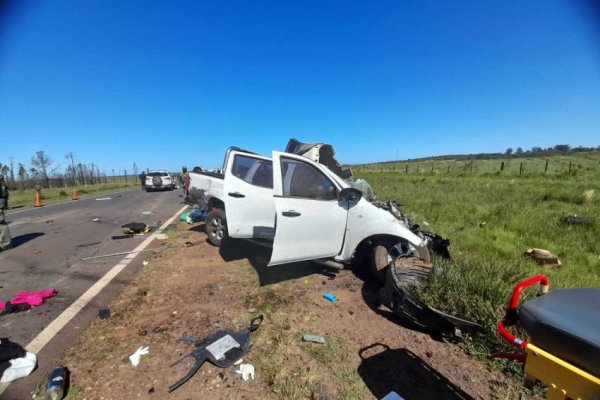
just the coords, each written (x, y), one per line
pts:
(168, 83)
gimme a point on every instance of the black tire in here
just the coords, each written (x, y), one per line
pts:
(157, 181)
(216, 226)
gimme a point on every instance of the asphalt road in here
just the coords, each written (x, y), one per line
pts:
(47, 254)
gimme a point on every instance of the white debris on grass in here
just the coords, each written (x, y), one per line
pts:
(246, 370)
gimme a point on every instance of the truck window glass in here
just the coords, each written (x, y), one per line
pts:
(303, 180)
(254, 171)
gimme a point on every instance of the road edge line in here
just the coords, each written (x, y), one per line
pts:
(52, 329)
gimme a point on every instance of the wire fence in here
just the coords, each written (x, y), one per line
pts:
(509, 167)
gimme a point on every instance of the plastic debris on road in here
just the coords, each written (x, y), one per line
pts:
(104, 198)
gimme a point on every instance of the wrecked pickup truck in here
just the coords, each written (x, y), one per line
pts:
(306, 210)
(303, 204)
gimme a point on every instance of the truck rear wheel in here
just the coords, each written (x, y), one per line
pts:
(216, 226)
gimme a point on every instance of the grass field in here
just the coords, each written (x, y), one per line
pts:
(491, 219)
(26, 198)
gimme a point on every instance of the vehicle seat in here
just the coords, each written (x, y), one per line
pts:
(566, 323)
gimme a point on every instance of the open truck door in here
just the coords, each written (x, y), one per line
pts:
(248, 196)
(311, 222)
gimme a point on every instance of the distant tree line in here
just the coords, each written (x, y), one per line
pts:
(43, 170)
(509, 153)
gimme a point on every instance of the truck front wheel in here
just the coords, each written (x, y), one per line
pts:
(216, 226)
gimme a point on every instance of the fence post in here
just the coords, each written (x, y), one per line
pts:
(521, 168)
(472, 162)
(448, 168)
(406, 165)
(432, 164)
(418, 167)
(569, 167)
(546, 168)
(502, 166)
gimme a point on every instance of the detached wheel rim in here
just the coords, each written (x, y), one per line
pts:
(217, 228)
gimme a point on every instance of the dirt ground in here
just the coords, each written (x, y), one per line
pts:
(197, 289)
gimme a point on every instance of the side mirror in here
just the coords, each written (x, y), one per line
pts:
(350, 194)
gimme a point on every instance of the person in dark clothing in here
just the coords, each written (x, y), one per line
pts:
(5, 240)
(143, 179)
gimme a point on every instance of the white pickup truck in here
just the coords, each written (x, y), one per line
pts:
(305, 210)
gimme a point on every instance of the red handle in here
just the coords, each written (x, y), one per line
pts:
(510, 318)
(514, 299)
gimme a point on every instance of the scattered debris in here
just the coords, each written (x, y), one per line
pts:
(88, 244)
(588, 194)
(578, 220)
(135, 227)
(49, 221)
(55, 388)
(116, 237)
(402, 277)
(147, 212)
(104, 313)
(158, 329)
(135, 357)
(16, 361)
(96, 220)
(542, 257)
(482, 224)
(151, 390)
(214, 288)
(222, 349)
(252, 309)
(145, 262)
(161, 236)
(307, 337)
(104, 198)
(246, 370)
(330, 297)
(190, 244)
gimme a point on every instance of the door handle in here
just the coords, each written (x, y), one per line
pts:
(236, 194)
(291, 213)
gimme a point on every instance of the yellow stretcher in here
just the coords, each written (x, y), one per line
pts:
(565, 327)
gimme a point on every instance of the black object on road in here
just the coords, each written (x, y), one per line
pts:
(222, 349)
(104, 313)
(130, 235)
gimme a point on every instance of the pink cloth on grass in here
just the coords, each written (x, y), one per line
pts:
(33, 299)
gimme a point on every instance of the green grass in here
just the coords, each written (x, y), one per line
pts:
(26, 198)
(491, 220)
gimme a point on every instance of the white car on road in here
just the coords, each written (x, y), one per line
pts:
(159, 180)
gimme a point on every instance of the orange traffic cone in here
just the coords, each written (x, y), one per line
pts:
(38, 202)
(75, 194)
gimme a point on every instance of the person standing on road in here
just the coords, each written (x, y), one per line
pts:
(186, 186)
(5, 240)
(143, 179)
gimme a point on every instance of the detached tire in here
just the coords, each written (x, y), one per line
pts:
(216, 226)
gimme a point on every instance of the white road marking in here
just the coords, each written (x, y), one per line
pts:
(44, 337)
